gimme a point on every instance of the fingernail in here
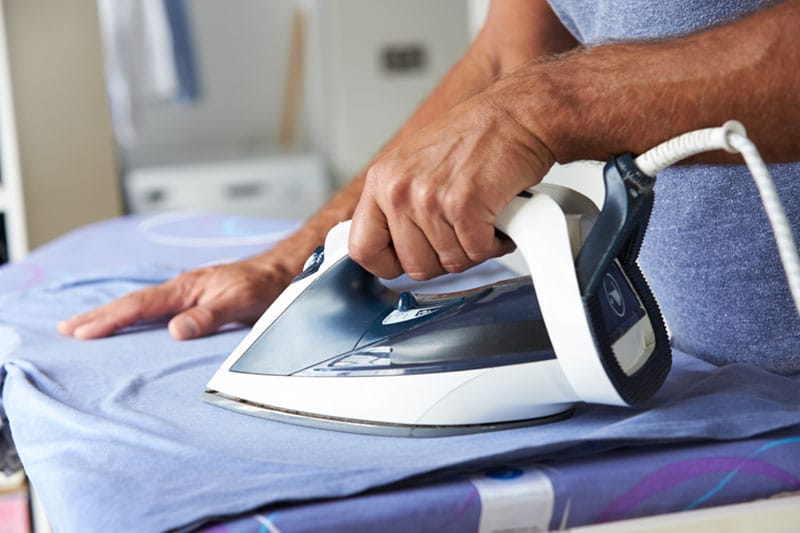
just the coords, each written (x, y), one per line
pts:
(183, 328)
(83, 332)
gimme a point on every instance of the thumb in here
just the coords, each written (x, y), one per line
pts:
(193, 323)
(204, 319)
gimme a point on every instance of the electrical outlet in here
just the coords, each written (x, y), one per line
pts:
(404, 58)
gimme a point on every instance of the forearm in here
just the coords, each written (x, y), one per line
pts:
(516, 32)
(468, 77)
(631, 96)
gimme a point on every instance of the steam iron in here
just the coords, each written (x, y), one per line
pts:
(340, 350)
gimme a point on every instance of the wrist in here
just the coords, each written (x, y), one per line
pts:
(289, 255)
(548, 100)
(514, 109)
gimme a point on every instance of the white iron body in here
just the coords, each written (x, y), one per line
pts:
(549, 228)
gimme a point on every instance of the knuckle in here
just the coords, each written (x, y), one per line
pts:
(379, 175)
(184, 286)
(144, 296)
(390, 181)
(420, 270)
(250, 293)
(459, 210)
(454, 266)
(116, 323)
(397, 193)
(419, 275)
(374, 172)
(207, 316)
(130, 303)
(428, 201)
(133, 297)
(478, 251)
(477, 240)
(361, 254)
(413, 268)
(456, 206)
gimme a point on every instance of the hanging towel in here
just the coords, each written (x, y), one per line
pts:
(188, 89)
(148, 58)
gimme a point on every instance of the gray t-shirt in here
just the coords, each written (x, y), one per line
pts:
(709, 253)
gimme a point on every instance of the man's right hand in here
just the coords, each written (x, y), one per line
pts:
(201, 300)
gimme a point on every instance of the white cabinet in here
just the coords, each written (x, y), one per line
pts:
(278, 186)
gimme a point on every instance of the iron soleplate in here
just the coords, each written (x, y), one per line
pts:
(365, 427)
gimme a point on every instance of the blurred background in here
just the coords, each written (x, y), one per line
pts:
(251, 107)
(278, 101)
(255, 107)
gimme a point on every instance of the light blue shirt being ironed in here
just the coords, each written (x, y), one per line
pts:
(709, 254)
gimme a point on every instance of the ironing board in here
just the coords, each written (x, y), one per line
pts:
(113, 434)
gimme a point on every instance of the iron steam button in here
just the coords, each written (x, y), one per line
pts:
(312, 264)
(315, 259)
(406, 301)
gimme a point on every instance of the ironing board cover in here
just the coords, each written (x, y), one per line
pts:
(114, 436)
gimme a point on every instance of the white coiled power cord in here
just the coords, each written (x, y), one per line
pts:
(732, 137)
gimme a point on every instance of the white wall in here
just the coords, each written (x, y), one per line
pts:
(476, 10)
(58, 148)
(351, 107)
(242, 49)
(365, 104)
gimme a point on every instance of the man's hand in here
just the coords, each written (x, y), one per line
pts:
(430, 202)
(203, 300)
(516, 31)
(429, 205)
